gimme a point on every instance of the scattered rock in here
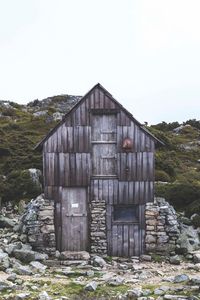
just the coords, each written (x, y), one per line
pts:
(91, 286)
(72, 255)
(22, 270)
(180, 278)
(175, 260)
(161, 290)
(4, 285)
(22, 296)
(115, 281)
(145, 257)
(196, 257)
(12, 277)
(99, 262)
(134, 293)
(37, 266)
(44, 296)
(6, 222)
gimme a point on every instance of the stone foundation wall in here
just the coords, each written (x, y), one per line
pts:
(162, 227)
(98, 237)
(38, 225)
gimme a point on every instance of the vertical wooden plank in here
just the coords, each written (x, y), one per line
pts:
(96, 98)
(131, 241)
(120, 240)
(114, 240)
(115, 192)
(137, 241)
(101, 99)
(110, 191)
(126, 240)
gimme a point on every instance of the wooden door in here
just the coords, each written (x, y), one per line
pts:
(126, 230)
(74, 220)
(104, 145)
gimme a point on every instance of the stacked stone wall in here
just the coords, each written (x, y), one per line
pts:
(38, 225)
(162, 227)
(98, 233)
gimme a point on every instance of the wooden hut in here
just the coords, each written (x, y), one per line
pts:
(99, 169)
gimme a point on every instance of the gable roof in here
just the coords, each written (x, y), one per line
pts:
(98, 85)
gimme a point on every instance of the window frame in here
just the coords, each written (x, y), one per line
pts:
(128, 206)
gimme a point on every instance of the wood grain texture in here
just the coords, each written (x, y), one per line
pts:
(85, 154)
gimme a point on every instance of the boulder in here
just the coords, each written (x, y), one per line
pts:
(22, 296)
(99, 262)
(37, 266)
(91, 286)
(6, 222)
(188, 240)
(175, 260)
(196, 257)
(44, 296)
(161, 290)
(69, 255)
(134, 293)
(4, 261)
(5, 285)
(115, 281)
(26, 255)
(22, 270)
(195, 280)
(181, 278)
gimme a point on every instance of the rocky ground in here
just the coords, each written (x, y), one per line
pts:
(27, 274)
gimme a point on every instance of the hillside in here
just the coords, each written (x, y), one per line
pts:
(23, 126)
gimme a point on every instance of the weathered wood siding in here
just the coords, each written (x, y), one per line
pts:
(69, 162)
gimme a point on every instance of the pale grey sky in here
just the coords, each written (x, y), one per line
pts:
(145, 52)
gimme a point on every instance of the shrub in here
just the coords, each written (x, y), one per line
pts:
(196, 221)
(193, 208)
(161, 175)
(19, 185)
(180, 195)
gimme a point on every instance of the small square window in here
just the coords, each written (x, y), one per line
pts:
(126, 213)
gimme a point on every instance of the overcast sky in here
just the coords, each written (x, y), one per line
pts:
(145, 52)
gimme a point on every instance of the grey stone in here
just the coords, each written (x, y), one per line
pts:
(24, 255)
(195, 280)
(12, 277)
(22, 296)
(175, 260)
(181, 278)
(11, 247)
(4, 285)
(196, 257)
(188, 240)
(44, 296)
(99, 262)
(37, 266)
(4, 261)
(40, 113)
(150, 239)
(115, 281)
(145, 257)
(71, 255)
(90, 273)
(134, 293)
(161, 290)
(41, 256)
(22, 270)
(91, 286)
(176, 297)
(185, 221)
(6, 222)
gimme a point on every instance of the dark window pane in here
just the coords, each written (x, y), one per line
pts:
(126, 214)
